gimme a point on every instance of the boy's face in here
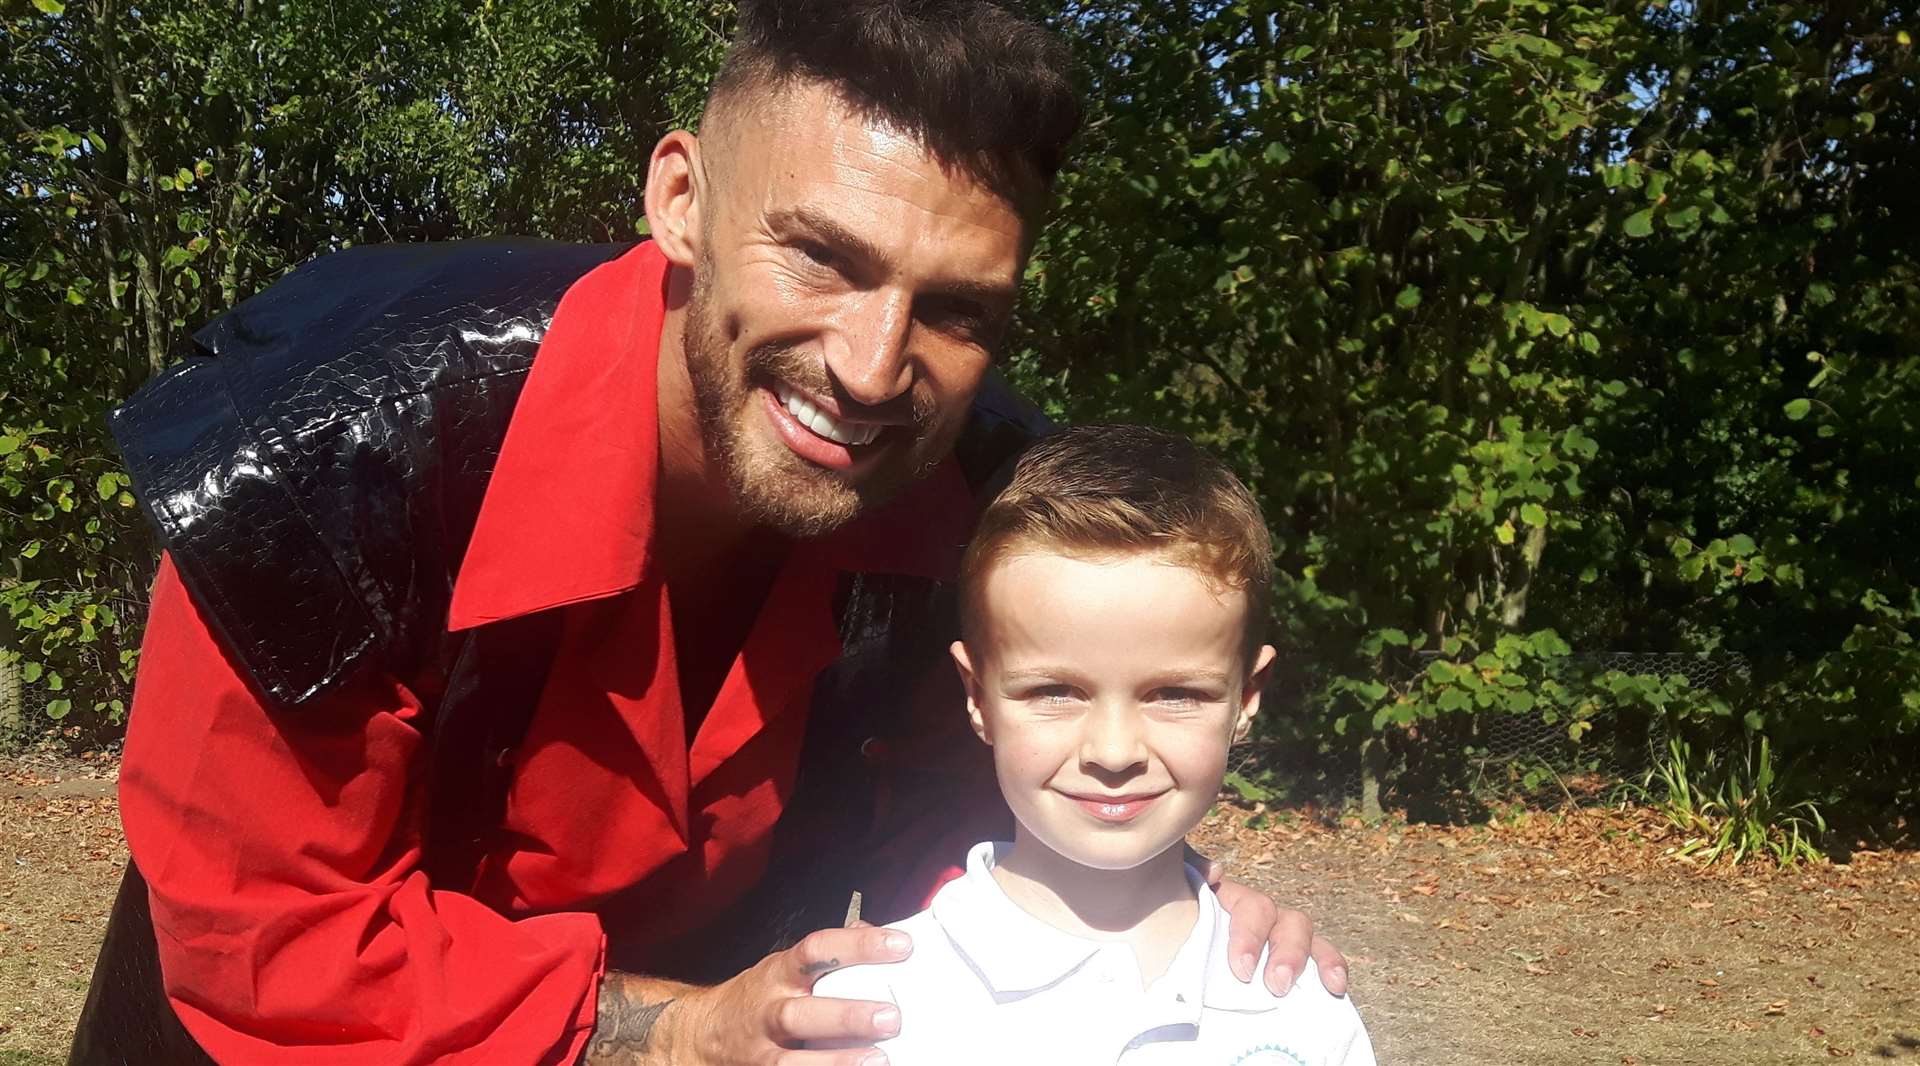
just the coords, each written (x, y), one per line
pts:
(1110, 688)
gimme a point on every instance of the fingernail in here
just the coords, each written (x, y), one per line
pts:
(1243, 966)
(898, 943)
(887, 1020)
(1337, 976)
(1280, 980)
(876, 1058)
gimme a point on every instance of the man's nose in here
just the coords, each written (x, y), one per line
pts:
(866, 351)
(1113, 740)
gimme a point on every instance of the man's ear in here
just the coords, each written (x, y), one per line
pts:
(1250, 695)
(971, 682)
(676, 183)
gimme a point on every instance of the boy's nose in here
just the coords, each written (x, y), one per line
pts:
(1113, 741)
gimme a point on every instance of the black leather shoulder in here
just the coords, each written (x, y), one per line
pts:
(316, 472)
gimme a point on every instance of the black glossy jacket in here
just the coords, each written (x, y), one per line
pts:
(315, 475)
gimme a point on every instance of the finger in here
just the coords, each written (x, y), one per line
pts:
(1250, 917)
(1331, 964)
(828, 950)
(865, 1056)
(1287, 948)
(841, 1022)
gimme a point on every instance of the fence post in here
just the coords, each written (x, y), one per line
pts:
(1373, 759)
(12, 709)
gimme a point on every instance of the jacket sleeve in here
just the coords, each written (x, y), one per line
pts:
(282, 853)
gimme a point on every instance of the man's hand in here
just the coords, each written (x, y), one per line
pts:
(762, 1016)
(1253, 919)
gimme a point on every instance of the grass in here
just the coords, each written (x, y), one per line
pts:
(1736, 808)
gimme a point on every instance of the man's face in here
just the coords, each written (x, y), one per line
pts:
(849, 293)
(1110, 689)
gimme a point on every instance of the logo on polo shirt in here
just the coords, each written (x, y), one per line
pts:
(1269, 1055)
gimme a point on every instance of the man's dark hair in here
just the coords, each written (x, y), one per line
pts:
(983, 88)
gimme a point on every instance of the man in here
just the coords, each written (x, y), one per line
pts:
(476, 695)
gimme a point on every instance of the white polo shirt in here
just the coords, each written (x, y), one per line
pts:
(989, 983)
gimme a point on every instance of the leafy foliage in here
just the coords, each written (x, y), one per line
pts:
(169, 159)
(1525, 319)
(1538, 327)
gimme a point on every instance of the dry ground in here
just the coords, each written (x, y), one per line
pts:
(1542, 940)
(1563, 938)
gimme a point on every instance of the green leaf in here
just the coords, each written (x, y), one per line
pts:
(1247, 790)
(51, 7)
(1640, 223)
(1533, 514)
(1406, 38)
(107, 486)
(1741, 544)
(1559, 325)
(1408, 299)
(1797, 409)
(9, 444)
(1504, 532)
(30, 672)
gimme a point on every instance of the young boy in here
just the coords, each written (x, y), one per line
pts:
(1112, 613)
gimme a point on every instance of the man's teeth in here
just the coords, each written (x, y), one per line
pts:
(823, 424)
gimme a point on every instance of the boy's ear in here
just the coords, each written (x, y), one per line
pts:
(970, 681)
(675, 185)
(1250, 695)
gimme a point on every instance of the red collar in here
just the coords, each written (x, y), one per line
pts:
(568, 514)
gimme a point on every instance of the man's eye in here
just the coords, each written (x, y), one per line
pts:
(818, 254)
(962, 319)
(1051, 694)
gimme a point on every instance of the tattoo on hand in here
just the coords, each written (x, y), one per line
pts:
(624, 1025)
(814, 969)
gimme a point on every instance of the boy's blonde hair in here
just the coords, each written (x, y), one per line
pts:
(1126, 489)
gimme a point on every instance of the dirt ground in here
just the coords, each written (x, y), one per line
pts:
(1541, 939)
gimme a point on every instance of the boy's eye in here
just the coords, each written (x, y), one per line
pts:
(1182, 696)
(1051, 693)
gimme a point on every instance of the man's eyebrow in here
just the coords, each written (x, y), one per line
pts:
(786, 221)
(802, 218)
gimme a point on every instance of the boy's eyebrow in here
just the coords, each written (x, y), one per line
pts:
(1035, 673)
(1197, 675)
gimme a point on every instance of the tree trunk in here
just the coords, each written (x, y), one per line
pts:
(139, 178)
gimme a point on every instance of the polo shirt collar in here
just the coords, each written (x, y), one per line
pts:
(579, 465)
(1017, 954)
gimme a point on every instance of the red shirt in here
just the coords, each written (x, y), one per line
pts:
(282, 848)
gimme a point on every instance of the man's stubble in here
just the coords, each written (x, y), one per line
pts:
(781, 491)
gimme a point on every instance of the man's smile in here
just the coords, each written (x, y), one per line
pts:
(813, 433)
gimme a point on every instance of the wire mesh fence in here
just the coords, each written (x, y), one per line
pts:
(1538, 755)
